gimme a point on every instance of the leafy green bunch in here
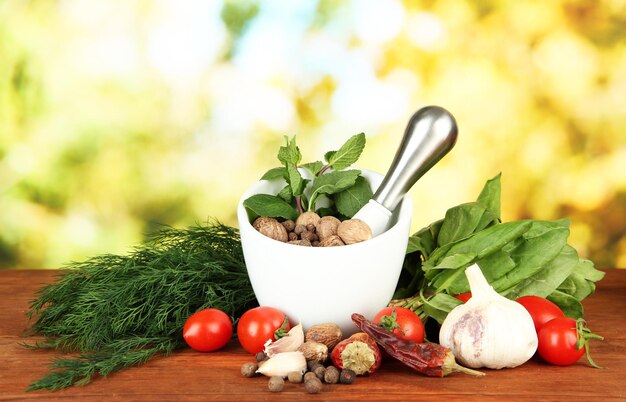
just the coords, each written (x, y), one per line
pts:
(116, 311)
(526, 257)
(345, 191)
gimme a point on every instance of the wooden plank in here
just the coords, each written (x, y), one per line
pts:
(188, 375)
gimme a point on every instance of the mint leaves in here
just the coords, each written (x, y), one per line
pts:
(350, 200)
(347, 154)
(270, 205)
(344, 190)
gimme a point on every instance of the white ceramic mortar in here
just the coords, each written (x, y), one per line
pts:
(317, 285)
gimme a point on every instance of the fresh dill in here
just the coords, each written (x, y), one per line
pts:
(116, 311)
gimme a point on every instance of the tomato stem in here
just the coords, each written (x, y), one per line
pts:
(389, 322)
(584, 336)
(282, 331)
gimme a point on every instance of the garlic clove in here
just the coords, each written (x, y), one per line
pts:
(283, 363)
(288, 343)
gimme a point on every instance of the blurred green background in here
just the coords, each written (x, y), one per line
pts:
(119, 116)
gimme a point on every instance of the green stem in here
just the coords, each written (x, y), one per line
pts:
(584, 336)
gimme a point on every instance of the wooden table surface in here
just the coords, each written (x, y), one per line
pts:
(188, 375)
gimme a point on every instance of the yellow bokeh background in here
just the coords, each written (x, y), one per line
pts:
(117, 117)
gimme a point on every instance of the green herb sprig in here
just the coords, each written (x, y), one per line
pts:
(346, 190)
(527, 257)
(119, 311)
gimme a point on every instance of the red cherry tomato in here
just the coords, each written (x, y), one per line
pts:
(541, 310)
(259, 324)
(464, 297)
(208, 330)
(557, 342)
(563, 340)
(402, 322)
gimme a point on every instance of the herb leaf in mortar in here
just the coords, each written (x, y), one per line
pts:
(527, 257)
(275, 173)
(348, 154)
(332, 183)
(345, 190)
(270, 205)
(352, 199)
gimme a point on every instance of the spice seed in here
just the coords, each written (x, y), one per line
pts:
(295, 377)
(249, 369)
(276, 384)
(319, 372)
(313, 386)
(331, 376)
(312, 364)
(347, 376)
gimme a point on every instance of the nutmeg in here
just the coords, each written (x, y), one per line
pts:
(326, 227)
(271, 228)
(354, 231)
(328, 334)
(314, 351)
(331, 241)
(307, 218)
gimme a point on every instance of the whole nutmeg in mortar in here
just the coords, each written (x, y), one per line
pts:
(354, 231)
(328, 334)
(331, 241)
(314, 351)
(307, 218)
(326, 227)
(271, 228)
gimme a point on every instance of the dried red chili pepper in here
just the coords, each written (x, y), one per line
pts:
(427, 358)
(359, 353)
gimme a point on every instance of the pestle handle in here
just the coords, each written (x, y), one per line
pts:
(429, 136)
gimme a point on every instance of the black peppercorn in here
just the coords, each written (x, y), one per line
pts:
(289, 225)
(299, 229)
(347, 376)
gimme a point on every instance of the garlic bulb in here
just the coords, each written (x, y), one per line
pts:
(282, 364)
(489, 330)
(288, 343)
